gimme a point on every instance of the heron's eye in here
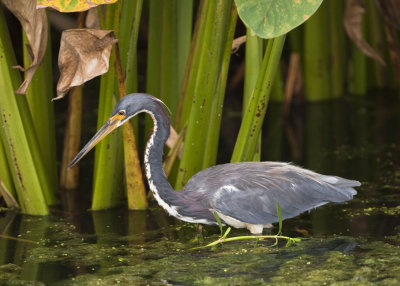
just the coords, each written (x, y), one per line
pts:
(122, 112)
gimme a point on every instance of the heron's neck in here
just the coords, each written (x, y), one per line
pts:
(162, 190)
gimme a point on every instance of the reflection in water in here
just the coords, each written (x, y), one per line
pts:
(356, 241)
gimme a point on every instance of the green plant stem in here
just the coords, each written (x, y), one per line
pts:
(170, 30)
(337, 67)
(253, 60)
(39, 95)
(295, 38)
(357, 71)
(129, 29)
(211, 52)
(253, 118)
(316, 56)
(5, 175)
(18, 146)
(184, 27)
(257, 237)
(38, 119)
(135, 190)
(254, 57)
(169, 80)
(154, 44)
(169, 77)
(108, 154)
(278, 93)
(378, 77)
(69, 177)
(214, 124)
(192, 68)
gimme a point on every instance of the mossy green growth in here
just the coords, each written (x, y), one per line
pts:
(155, 258)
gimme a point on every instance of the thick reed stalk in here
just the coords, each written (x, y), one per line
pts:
(154, 43)
(278, 93)
(129, 29)
(192, 68)
(378, 77)
(18, 146)
(127, 64)
(5, 174)
(214, 124)
(169, 42)
(39, 95)
(254, 57)
(211, 52)
(69, 177)
(337, 62)
(316, 56)
(253, 118)
(136, 192)
(357, 76)
(253, 60)
(108, 154)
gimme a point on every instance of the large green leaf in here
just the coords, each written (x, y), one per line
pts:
(272, 18)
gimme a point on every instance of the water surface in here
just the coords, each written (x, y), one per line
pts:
(356, 243)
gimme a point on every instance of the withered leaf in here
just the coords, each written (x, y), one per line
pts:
(175, 143)
(237, 43)
(390, 10)
(92, 19)
(72, 6)
(34, 23)
(353, 24)
(8, 197)
(84, 54)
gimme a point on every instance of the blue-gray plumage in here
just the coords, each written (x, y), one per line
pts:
(243, 194)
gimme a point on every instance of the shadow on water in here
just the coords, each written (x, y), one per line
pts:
(356, 243)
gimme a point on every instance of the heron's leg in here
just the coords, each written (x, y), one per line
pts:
(199, 232)
(199, 228)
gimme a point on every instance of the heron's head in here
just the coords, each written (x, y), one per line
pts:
(126, 108)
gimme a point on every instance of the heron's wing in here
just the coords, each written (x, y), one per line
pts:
(250, 191)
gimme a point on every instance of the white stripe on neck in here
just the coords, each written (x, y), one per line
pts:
(171, 209)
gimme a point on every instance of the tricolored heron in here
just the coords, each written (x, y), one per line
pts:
(244, 195)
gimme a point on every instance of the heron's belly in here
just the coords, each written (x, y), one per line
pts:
(253, 228)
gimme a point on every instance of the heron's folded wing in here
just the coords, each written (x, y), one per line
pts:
(250, 193)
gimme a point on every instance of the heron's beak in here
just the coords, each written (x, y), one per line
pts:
(106, 129)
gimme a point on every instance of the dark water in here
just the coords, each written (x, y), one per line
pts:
(357, 243)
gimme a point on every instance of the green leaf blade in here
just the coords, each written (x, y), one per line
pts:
(279, 210)
(218, 221)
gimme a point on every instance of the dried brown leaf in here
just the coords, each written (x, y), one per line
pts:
(34, 23)
(176, 146)
(236, 43)
(353, 24)
(84, 54)
(92, 19)
(173, 137)
(390, 10)
(8, 197)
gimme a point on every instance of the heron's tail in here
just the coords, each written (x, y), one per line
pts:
(343, 186)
